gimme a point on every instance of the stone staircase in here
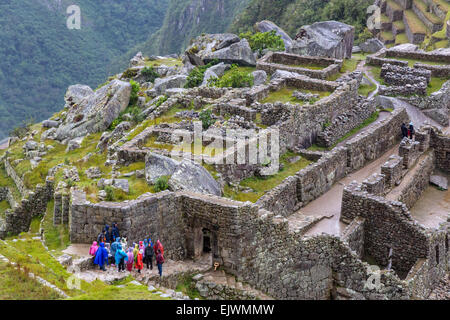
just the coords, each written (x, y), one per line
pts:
(219, 285)
(413, 21)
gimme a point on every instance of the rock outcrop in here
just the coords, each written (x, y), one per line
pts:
(267, 25)
(225, 47)
(327, 39)
(91, 112)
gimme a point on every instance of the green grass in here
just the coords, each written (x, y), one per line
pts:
(187, 286)
(311, 66)
(387, 35)
(170, 62)
(261, 185)
(17, 285)
(56, 237)
(35, 224)
(315, 147)
(4, 205)
(394, 5)
(285, 95)
(30, 254)
(401, 38)
(435, 84)
(365, 89)
(429, 15)
(400, 25)
(415, 24)
(6, 181)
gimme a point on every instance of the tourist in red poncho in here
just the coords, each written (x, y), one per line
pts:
(158, 246)
(139, 265)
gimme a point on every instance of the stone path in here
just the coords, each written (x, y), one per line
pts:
(433, 207)
(442, 291)
(329, 204)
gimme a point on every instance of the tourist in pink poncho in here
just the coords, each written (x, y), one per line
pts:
(93, 249)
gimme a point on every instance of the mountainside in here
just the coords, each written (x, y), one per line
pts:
(292, 14)
(186, 19)
(41, 57)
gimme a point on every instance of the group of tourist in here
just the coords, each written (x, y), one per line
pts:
(109, 249)
(408, 132)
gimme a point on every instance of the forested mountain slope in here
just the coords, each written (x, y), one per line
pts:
(40, 57)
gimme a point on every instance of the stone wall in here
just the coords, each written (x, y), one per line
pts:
(370, 145)
(274, 61)
(353, 235)
(18, 219)
(418, 55)
(418, 182)
(400, 76)
(346, 122)
(283, 198)
(441, 145)
(152, 215)
(17, 180)
(387, 225)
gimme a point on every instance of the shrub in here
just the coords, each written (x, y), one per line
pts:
(206, 118)
(110, 196)
(233, 78)
(150, 74)
(162, 183)
(134, 92)
(195, 77)
(264, 40)
(161, 101)
(129, 73)
(22, 130)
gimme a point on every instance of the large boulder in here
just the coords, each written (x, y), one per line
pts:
(225, 47)
(259, 77)
(266, 26)
(157, 166)
(162, 84)
(193, 177)
(371, 45)
(77, 93)
(184, 175)
(95, 112)
(215, 72)
(326, 39)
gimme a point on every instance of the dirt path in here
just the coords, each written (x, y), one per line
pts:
(329, 204)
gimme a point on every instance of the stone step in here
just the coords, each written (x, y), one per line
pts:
(439, 7)
(422, 10)
(394, 11)
(415, 29)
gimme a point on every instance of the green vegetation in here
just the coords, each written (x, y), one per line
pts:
(162, 183)
(415, 24)
(264, 40)
(41, 57)
(236, 77)
(260, 185)
(206, 119)
(31, 256)
(56, 237)
(293, 14)
(285, 95)
(187, 286)
(366, 89)
(150, 74)
(195, 77)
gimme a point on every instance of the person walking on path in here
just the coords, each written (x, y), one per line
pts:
(101, 257)
(159, 262)
(148, 257)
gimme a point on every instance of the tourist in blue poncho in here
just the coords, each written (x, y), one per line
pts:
(114, 246)
(121, 257)
(101, 257)
(107, 234)
(114, 232)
